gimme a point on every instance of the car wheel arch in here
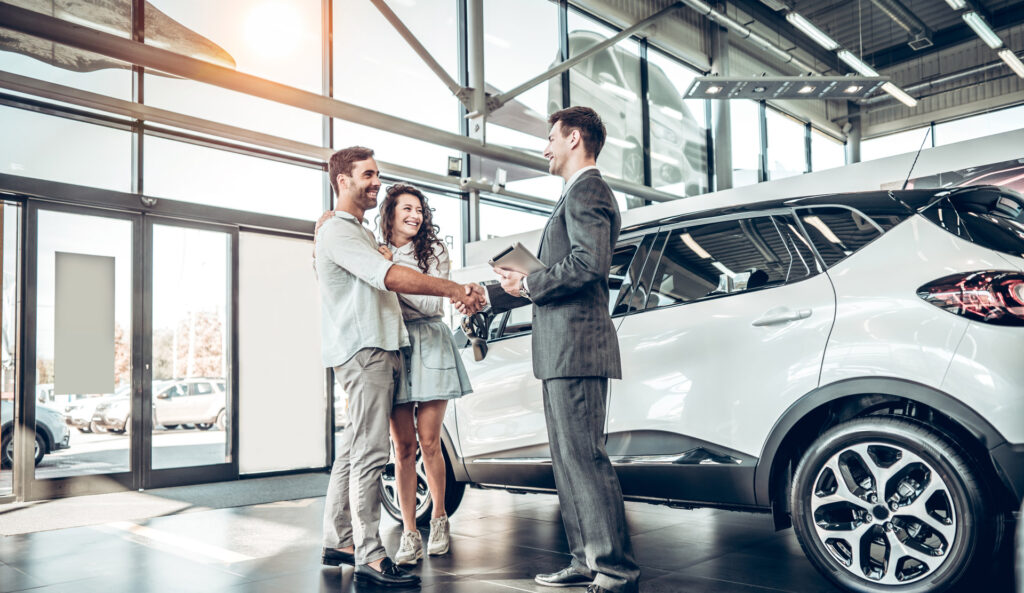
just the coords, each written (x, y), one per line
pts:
(843, 400)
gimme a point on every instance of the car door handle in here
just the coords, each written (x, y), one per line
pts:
(781, 315)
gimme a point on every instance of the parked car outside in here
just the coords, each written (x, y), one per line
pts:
(52, 433)
(81, 408)
(198, 402)
(848, 363)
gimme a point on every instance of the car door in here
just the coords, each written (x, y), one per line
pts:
(201, 400)
(172, 404)
(501, 427)
(731, 333)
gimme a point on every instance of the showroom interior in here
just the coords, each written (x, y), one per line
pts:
(162, 165)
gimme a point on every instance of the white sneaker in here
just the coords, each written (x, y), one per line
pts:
(410, 549)
(437, 543)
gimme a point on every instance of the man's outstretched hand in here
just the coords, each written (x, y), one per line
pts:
(472, 300)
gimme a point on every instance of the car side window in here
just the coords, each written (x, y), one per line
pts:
(201, 388)
(721, 258)
(837, 233)
(623, 276)
(520, 321)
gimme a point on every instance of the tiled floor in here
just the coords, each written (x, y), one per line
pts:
(500, 541)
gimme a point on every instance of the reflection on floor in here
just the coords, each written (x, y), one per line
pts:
(500, 541)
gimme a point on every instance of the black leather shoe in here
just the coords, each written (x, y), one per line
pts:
(567, 577)
(332, 557)
(389, 576)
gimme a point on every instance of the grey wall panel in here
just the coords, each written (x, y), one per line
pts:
(83, 313)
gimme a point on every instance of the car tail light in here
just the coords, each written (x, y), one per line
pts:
(989, 296)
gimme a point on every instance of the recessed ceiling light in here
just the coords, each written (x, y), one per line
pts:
(713, 90)
(759, 89)
(806, 89)
(852, 88)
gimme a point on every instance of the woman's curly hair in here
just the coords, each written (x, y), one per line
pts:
(425, 239)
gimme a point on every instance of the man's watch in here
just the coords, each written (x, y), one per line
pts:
(523, 290)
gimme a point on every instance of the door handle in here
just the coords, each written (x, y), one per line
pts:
(781, 315)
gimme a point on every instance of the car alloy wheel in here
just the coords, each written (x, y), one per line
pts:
(880, 503)
(7, 450)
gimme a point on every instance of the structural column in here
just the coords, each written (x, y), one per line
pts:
(721, 116)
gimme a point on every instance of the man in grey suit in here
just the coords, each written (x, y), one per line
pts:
(575, 352)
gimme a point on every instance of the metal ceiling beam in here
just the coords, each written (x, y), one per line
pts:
(919, 32)
(493, 103)
(762, 14)
(744, 32)
(61, 31)
(421, 51)
(958, 34)
(66, 94)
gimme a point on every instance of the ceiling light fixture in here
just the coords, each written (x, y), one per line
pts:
(854, 62)
(811, 31)
(713, 90)
(806, 89)
(957, 4)
(852, 89)
(1012, 61)
(976, 22)
(900, 95)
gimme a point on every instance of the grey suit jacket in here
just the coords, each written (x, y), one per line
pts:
(573, 334)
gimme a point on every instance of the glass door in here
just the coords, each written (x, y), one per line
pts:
(190, 342)
(80, 357)
(128, 353)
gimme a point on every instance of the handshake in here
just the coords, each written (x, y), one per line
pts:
(471, 299)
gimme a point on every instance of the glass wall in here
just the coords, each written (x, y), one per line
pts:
(893, 144)
(62, 64)
(787, 145)
(197, 174)
(609, 82)
(826, 151)
(501, 221)
(978, 126)
(746, 142)
(267, 39)
(679, 145)
(65, 150)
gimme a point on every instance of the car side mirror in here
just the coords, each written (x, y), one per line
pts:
(163, 396)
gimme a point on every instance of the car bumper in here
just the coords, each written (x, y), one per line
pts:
(63, 442)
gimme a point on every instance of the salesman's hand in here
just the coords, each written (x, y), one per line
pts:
(474, 299)
(510, 280)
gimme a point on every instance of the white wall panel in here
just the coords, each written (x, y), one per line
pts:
(282, 398)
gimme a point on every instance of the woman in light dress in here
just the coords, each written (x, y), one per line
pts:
(434, 369)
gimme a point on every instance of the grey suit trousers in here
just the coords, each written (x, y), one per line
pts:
(589, 493)
(352, 506)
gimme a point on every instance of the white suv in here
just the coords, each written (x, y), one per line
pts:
(849, 363)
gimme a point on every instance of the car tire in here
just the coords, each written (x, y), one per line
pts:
(453, 490)
(926, 529)
(84, 429)
(204, 425)
(222, 420)
(96, 428)
(170, 426)
(7, 449)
